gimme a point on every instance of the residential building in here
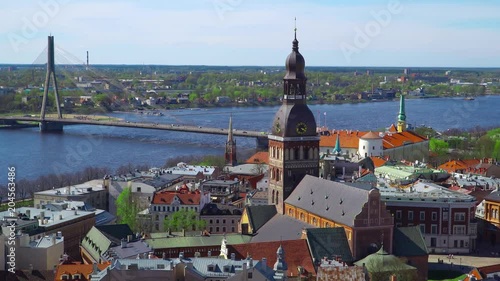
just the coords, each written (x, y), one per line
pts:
(220, 218)
(93, 192)
(72, 224)
(492, 217)
(357, 208)
(484, 167)
(165, 203)
(82, 272)
(221, 191)
(193, 173)
(445, 217)
(39, 253)
(109, 242)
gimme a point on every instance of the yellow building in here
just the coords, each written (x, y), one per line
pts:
(492, 216)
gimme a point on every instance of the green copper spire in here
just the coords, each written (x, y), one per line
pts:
(337, 150)
(402, 115)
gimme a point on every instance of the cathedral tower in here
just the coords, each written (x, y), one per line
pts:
(293, 143)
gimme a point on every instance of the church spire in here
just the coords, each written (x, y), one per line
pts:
(230, 153)
(402, 115)
(337, 150)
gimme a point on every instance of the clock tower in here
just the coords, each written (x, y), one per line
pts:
(293, 143)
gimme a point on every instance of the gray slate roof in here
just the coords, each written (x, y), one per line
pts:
(339, 202)
(494, 196)
(280, 227)
(328, 242)
(259, 215)
(408, 242)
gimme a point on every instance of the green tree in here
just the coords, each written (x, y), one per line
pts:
(184, 219)
(437, 146)
(127, 208)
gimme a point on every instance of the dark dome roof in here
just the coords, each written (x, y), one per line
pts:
(295, 63)
(289, 116)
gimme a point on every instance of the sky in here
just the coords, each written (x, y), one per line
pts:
(401, 33)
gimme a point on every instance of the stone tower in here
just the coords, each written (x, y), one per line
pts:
(293, 142)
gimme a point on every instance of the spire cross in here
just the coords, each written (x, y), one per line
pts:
(295, 29)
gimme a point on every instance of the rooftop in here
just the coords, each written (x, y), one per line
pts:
(79, 189)
(196, 241)
(190, 170)
(421, 191)
(50, 218)
(169, 197)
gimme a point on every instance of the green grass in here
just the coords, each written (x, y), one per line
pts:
(19, 204)
(445, 275)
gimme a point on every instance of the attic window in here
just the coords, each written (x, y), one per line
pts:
(311, 191)
(226, 268)
(298, 198)
(327, 208)
(211, 267)
(312, 202)
(65, 277)
(343, 213)
(341, 201)
(326, 196)
(76, 276)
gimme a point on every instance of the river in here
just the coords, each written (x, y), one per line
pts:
(35, 154)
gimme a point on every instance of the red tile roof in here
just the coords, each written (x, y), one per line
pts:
(393, 129)
(77, 268)
(456, 165)
(378, 161)
(259, 157)
(296, 253)
(474, 272)
(347, 138)
(186, 198)
(490, 269)
(393, 140)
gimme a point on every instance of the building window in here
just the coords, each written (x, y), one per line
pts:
(445, 216)
(398, 215)
(434, 216)
(422, 215)
(445, 230)
(410, 215)
(250, 275)
(224, 229)
(422, 228)
(217, 221)
(211, 221)
(459, 216)
(434, 229)
(217, 229)
(459, 229)
(224, 221)
(232, 229)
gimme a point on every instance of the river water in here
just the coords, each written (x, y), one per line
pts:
(34, 154)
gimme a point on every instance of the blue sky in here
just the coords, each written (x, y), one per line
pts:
(256, 32)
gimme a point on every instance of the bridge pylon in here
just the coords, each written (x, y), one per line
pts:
(51, 72)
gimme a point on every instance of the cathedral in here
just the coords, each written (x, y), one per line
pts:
(293, 142)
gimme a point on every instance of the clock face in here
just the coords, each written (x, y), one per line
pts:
(301, 128)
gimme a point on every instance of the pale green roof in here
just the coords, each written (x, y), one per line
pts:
(196, 241)
(381, 261)
(95, 243)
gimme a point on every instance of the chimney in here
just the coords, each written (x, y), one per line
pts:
(150, 255)
(59, 234)
(209, 254)
(28, 213)
(95, 269)
(25, 240)
(124, 243)
(60, 217)
(181, 255)
(183, 232)
(233, 256)
(264, 263)
(129, 238)
(53, 239)
(394, 278)
(164, 256)
(76, 212)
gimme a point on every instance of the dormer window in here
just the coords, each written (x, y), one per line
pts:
(211, 267)
(65, 277)
(226, 268)
(77, 277)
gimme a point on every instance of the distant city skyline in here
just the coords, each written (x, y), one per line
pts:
(396, 33)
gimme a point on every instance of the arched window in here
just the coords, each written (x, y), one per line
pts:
(277, 197)
(273, 198)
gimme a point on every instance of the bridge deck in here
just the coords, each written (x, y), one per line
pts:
(154, 126)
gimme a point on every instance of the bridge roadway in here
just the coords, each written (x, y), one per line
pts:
(154, 126)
